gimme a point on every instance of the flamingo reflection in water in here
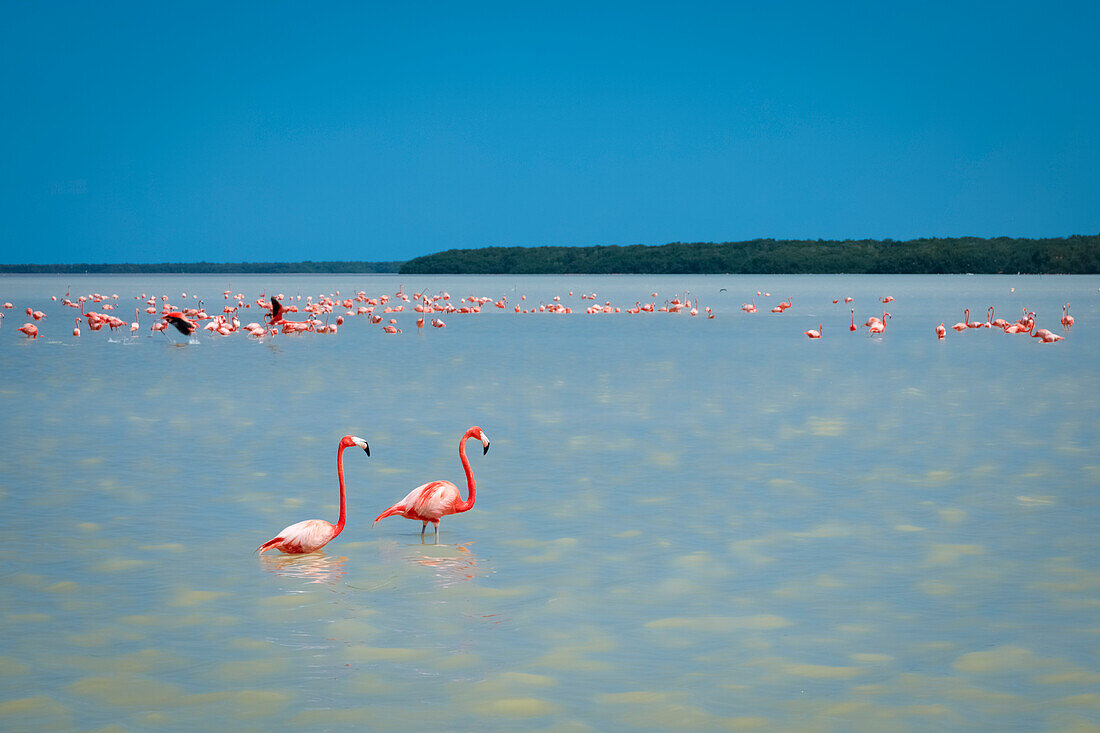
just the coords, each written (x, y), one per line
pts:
(451, 564)
(315, 567)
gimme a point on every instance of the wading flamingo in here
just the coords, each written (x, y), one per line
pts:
(30, 329)
(1067, 319)
(435, 499)
(853, 326)
(313, 534)
(940, 331)
(814, 334)
(879, 326)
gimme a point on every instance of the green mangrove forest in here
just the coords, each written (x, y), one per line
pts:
(1068, 255)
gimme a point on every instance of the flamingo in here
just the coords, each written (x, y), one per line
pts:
(30, 329)
(940, 331)
(428, 502)
(853, 326)
(815, 334)
(1067, 319)
(961, 326)
(879, 326)
(184, 326)
(749, 307)
(76, 331)
(313, 534)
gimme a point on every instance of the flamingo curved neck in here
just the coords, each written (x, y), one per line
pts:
(343, 496)
(471, 487)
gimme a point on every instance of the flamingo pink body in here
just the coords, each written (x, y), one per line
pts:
(313, 534)
(814, 334)
(435, 499)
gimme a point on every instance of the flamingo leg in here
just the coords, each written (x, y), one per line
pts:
(424, 527)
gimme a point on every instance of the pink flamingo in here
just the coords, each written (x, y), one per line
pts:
(313, 534)
(814, 334)
(879, 326)
(175, 318)
(1067, 319)
(30, 329)
(940, 332)
(962, 326)
(428, 502)
(853, 326)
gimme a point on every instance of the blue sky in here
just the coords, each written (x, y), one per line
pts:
(276, 131)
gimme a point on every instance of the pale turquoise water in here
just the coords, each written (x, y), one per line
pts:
(682, 524)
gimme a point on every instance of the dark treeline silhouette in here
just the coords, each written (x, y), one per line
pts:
(213, 268)
(1068, 255)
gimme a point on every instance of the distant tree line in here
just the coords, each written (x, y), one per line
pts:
(1068, 255)
(212, 268)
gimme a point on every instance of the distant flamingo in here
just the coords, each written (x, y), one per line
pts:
(313, 534)
(815, 334)
(962, 326)
(1067, 319)
(749, 307)
(76, 331)
(428, 502)
(30, 329)
(880, 326)
(940, 331)
(853, 326)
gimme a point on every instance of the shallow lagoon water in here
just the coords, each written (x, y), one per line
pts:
(682, 523)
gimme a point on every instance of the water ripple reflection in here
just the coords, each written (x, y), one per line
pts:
(316, 567)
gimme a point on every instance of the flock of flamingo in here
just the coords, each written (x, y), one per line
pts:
(427, 503)
(382, 310)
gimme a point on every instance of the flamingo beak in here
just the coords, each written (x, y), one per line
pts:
(485, 445)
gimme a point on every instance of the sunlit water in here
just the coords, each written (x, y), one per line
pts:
(682, 523)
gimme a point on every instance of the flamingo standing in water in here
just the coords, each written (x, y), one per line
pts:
(940, 331)
(1067, 319)
(853, 326)
(428, 502)
(814, 334)
(313, 534)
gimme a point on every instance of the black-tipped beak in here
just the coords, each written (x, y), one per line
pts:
(485, 449)
(367, 449)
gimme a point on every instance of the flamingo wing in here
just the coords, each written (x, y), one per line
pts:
(426, 502)
(307, 536)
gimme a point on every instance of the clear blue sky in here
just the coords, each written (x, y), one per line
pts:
(277, 131)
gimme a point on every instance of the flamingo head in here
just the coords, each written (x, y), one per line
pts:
(476, 432)
(350, 440)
